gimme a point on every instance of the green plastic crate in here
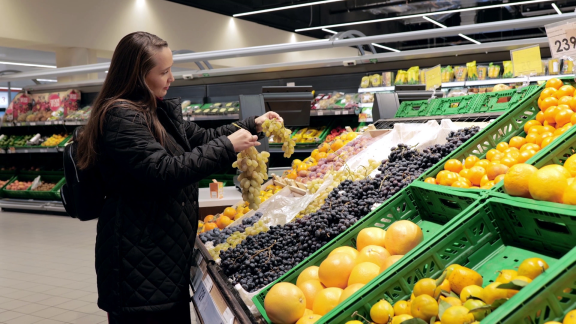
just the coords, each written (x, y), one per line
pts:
(415, 108)
(502, 129)
(502, 100)
(65, 141)
(432, 210)
(545, 302)
(453, 105)
(321, 138)
(53, 194)
(4, 177)
(495, 235)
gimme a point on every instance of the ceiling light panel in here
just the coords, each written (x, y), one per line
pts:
(285, 8)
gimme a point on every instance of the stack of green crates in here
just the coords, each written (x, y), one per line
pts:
(53, 194)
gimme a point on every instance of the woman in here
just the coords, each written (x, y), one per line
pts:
(150, 161)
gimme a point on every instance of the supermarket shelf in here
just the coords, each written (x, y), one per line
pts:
(213, 117)
(296, 150)
(17, 150)
(75, 122)
(377, 89)
(39, 123)
(480, 118)
(30, 204)
(453, 84)
(366, 105)
(334, 112)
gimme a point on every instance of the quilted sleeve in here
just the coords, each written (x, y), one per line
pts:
(198, 136)
(128, 141)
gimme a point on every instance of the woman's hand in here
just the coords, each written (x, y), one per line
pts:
(242, 139)
(269, 115)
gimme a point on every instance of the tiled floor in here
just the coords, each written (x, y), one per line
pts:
(47, 270)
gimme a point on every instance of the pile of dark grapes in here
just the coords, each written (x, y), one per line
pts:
(263, 258)
(219, 236)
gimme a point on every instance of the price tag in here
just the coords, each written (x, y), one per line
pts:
(25, 151)
(197, 279)
(337, 112)
(32, 123)
(345, 112)
(206, 306)
(433, 77)
(228, 316)
(208, 283)
(191, 118)
(43, 150)
(562, 38)
(526, 61)
(320, 113)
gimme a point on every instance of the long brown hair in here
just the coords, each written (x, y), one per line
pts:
(125, 81)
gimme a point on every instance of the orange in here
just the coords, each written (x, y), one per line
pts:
(382, 312)
(209, 218)
(548, 129)
(533, 138)
(471, 161)
(491, 154)
(554, 83)
(370, 236)
(508, 161)
(531, 123)
(547, 93)
(401, 318)
(566, 90)
(512, 292)
(425, 286)
(563, 117)
(424, 307)
(464, 173)
(492, 293)
(285, 303)
(326, 300)
(526, 155)
(540, 117)
(445, 285)
(506, 276)
(484, 180)
(492, 171)
(488, 185)
(230, 212)
(363, 273)
(390, 261)
(430, 180)
(536, 129)
(570, 165)
(460, 184)
(309, 319)
(572, 103)
(517, 142)
(502, 146)
(483, 163)
(547, 103)
(349, 291)
(330, 278)
(573, 120)
(499, 178)
(457, 315)
(476, 174)
(322, 155)
(402, 236)
(465, 180)
(454, 301)
(223, 221)
(472, 290)
(352, 252)
(546, 135)
(561, 131)
(310, 273)
(449, 179)
(550, 114)
(209, 226)
(336, 145)
(516, 181)
(570, 318)
(401, 307)
(310, 289)
(565, 100)
(549, 183)
(462, 277)
(374, 254)
(532, 268)
(453, 165)
(315, 154)
(440, 176)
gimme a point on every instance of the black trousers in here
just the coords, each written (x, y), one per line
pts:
(177, 315)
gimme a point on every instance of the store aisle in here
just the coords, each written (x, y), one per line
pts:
(47, 270)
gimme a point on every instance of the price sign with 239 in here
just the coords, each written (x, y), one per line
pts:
(565, 45)
(562, 38)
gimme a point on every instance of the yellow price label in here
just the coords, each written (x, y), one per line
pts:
(527, 61)
(433, 77)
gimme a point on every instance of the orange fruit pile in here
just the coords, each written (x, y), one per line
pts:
(459, 292)
(346, 270)
(554, 183)
(556, 116)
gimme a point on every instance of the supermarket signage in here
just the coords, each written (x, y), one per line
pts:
(433, 77)
(526, 61)
(562, 38)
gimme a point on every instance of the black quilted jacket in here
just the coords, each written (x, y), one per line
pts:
(148, 225)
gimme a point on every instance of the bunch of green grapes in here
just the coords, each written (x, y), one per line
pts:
(275, 129)
(253, 173)
(237, 238)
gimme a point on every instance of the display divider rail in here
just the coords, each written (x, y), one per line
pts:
(493, 235)
(432, 209)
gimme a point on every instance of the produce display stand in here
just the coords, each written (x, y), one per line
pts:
(416, 108)
(214, 299)
(492, 235)
(433, 210)
(453, 105)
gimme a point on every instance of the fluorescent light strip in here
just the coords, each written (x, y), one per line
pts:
(46, 80)
(29, 64)
(285, 8)
(556, 8)
(470, 39)
(424, 14)
(329, 31)
(434, 22)
(11, 89)
(386, 47)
